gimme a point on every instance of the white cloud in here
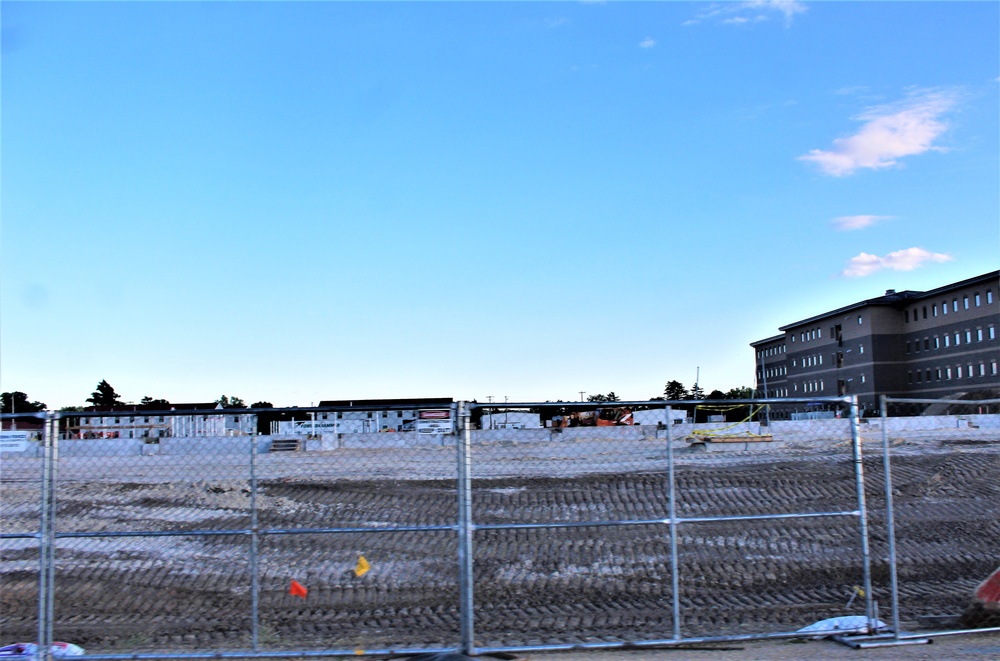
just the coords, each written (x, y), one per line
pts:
(556, 22)
(889, 132)
(755, 11)
(847, 223)
(901, 260)
(648, 42)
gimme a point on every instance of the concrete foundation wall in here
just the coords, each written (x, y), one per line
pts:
(102, 447)
(801, 430)
(206, 445)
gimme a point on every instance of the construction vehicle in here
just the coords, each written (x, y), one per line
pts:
(605, 416)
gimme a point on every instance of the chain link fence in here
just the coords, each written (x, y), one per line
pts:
(486, 527)
(936, 520)
(662, 521)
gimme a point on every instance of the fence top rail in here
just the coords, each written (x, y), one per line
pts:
(37, 415)
(658, 403)
(964, 402)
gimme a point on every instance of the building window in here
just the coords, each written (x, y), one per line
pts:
(907, 346)
(944, 307)
(861, 348)
(993, 333)
(958, 372)
(947, 373)
(977, 299)
(993, 365)
(819, 331)
(925, 312)
(971, 373)
(909, 377)
(937, 374)
(989, 297)
(916, 346)
(947, 341)
(862, 378)
(937, 342)
(968, 337)
(927, 376)
(965, 302)
(934, 310)
(859, 320)
(982, 369)
(919, 376)
(957, 342)
(821, 359)
(906, 316)
(979, 335)
(927, 344)
(954, 305)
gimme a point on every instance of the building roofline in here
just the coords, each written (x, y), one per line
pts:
(896, 298)
(382, 403)
(773, 338)
(138, 408)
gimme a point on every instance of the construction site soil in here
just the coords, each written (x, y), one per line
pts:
(191, 589)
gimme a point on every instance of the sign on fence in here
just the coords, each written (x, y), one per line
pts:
(13, 441)
(435, 421)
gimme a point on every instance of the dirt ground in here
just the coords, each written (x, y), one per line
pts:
(179, 574)
(971, 646)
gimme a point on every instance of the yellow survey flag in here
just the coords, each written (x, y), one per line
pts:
(857, 588)
(362, 567)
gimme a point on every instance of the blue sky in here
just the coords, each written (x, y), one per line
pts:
(296, 202)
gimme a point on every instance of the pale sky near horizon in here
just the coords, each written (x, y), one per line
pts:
(302, 201)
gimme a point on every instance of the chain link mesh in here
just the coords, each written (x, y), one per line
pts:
(583, 518)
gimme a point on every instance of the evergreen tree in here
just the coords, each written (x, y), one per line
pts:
(675, 391)
(697, 392)
(104, 395)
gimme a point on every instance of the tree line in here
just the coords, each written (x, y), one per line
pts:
(105, 396)
(675, 391)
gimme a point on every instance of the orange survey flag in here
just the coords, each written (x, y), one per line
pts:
(298, 590)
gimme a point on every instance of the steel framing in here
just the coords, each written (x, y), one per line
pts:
(465, 527)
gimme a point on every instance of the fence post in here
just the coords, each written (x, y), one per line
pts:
(465, 528)
(254, 547)
(890, 519)
(674, 579)
(44, 541)
(859, 483)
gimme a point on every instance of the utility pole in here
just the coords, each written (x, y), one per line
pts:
(581, 395)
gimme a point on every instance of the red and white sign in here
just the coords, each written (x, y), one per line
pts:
(435, 421)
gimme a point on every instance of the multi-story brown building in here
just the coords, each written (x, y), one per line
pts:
(934, 344)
